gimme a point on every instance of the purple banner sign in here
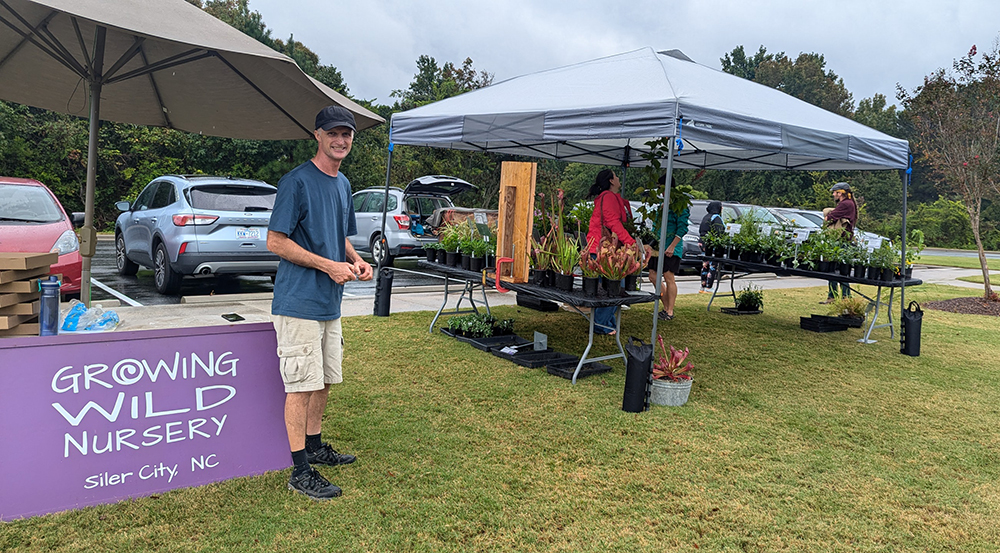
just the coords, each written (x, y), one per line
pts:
(99, 418)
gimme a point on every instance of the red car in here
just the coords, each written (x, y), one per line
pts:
(33, 220)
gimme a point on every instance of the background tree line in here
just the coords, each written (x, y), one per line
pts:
(51, 147)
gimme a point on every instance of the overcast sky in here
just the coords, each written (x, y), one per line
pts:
(871, 44)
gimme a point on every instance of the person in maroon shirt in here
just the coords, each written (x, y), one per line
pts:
(844, 216)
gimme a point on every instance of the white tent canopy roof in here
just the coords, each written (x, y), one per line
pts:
(605, 110)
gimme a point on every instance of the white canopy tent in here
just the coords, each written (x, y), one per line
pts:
(605, 110)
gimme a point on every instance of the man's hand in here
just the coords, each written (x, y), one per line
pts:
(363, 270)
(341, 272)
(649, 251)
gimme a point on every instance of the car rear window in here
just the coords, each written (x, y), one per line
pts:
(31, 204)
(230, 197)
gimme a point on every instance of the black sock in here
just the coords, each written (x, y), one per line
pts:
(314, 442)
(299, 462)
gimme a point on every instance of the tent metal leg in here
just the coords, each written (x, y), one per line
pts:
(590, 343)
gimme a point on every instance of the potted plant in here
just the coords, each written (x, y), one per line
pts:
(430, 250)
(565, 255)
(671, 383)
(750, 300)
(851, 308)
(451, 236)
(480, 250)
(466, 246)
(884, 259)
(914, 246)
(632, 279)
(615, 260)
(591, 271)
(540, 260)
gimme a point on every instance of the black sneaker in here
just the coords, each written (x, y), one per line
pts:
(325, 455)
(312, 484)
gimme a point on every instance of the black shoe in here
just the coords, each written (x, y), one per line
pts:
(325, 455)
(312, 484)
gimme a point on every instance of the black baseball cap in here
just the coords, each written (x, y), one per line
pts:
(335, 116)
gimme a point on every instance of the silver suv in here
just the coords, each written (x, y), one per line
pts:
(411, 215)
(183, 225)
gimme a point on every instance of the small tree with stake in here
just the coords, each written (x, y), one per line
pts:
(956, 122)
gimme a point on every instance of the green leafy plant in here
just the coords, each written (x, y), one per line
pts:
(467, 244)
(884, 257)
(914, 246)
(750, 298)
(851, 306)
(481, 247)
(565, 254)
(671, 366)
(451, 236)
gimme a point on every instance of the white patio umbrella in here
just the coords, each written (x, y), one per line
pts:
(160, 63)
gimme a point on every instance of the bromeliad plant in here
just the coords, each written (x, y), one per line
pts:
(671, 367)
(615, 260)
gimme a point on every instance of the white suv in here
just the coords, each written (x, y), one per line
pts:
(410, 216)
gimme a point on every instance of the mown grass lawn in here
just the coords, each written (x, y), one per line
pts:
(956, 261)
(791, 441)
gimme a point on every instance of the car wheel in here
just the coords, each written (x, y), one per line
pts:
(166, 279)
(380, 252)
(125, 265)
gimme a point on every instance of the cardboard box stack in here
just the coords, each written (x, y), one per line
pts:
(19, 291)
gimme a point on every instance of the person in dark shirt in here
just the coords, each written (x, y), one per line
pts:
(845, 217)
(712, 221)
(313, 216)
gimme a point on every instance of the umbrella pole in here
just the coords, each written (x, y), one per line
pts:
(663, 237)
(88, 234)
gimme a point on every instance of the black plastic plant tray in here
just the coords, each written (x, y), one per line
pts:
(816, 325)
(540, 359)
(566, 369)
(521, 352)
(734, 311)
(851, 322)
(533, 359)
(447, 332)
(497, 342)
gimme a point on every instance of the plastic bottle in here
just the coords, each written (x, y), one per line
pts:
(48, 317)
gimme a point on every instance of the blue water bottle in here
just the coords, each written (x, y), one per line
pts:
(48, 317)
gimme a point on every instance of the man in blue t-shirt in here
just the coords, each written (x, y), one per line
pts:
(312, 218)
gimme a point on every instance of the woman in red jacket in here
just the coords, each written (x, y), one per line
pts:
(610, 212)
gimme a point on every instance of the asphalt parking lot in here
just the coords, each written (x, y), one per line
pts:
(139, 289)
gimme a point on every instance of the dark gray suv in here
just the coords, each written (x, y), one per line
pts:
(184, 225)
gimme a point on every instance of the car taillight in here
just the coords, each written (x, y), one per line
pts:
(402, 221)
(186, 219)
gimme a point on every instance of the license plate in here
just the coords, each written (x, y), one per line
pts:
(248, 233)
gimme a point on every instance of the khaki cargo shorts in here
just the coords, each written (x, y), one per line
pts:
(311, 352)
